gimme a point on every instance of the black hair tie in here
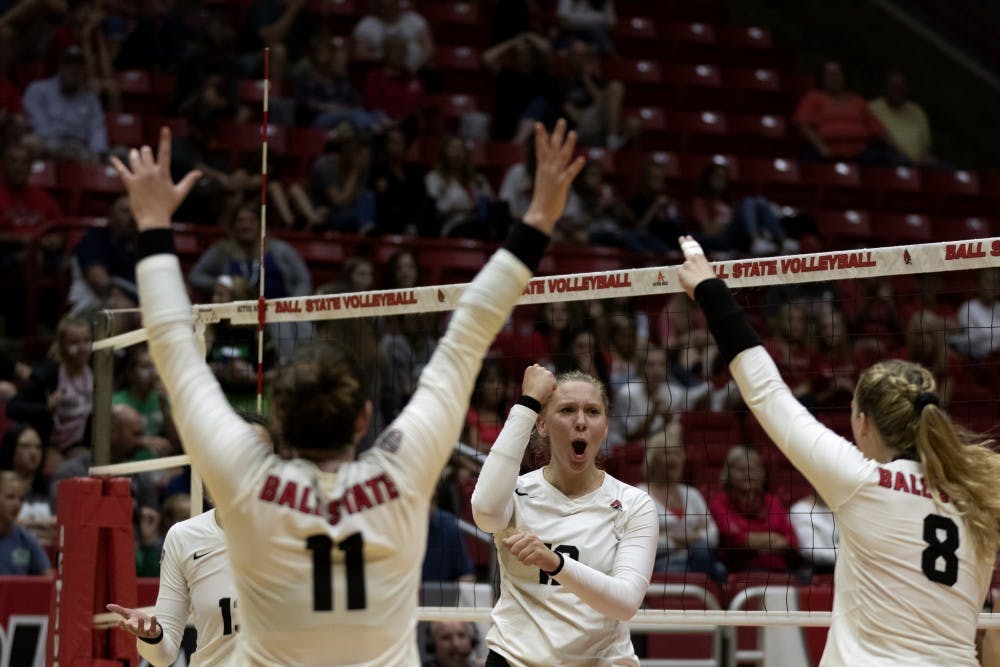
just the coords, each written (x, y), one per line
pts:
(924, 399)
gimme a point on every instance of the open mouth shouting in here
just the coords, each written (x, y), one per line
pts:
(579, 448)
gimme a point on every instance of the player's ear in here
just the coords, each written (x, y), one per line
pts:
(540, 425)
(362, 421)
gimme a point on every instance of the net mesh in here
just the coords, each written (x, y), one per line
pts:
(676, 415)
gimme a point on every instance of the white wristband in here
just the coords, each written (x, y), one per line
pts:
(691, 249)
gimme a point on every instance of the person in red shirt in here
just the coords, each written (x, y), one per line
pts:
(393, 88)
(755, 532)
(23, 206)
(838, 125)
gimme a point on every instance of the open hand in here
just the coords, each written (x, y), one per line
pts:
(152, 193)
(530, 550)
(695, 268)
(554, 174)
(136, 622)
(539, 383)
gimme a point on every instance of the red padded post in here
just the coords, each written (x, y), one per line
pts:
(95, 565)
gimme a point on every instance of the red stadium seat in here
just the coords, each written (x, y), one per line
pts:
(452, 260)
(837, 184)
(958, 229)
(133, 82)
(455, 22)
(760, 80)
(457, 58)
(636, 71)
(635, 27)
(692, 165)
(746, 37)
(93, 187)
(898, 228)
(708, 437)
(951, 183)
(43, 174)
(124, 129)
(245, 138)
(897, 187)
(766, 125)
(843, 228)
(696, 86)
(153, 124)
(627, 463)
(701, 131)
(684, 33)
(652, 118)
(777, 171)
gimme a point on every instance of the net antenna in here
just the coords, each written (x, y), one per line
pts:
(261, 301)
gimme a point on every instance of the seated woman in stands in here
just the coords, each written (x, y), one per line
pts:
(688, 534)
(755, 532)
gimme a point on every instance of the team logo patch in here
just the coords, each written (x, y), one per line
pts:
(661, 280)
(441, 297)
(616, 505)
(389, 441)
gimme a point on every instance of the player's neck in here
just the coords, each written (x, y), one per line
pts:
(573, 484)
(327, 461)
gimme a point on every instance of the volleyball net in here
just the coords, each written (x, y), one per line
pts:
(676, 417)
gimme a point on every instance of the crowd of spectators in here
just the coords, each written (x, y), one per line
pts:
(370, 94)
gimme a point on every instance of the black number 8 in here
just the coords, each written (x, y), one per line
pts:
(940, 549)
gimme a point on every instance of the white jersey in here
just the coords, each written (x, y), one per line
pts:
(327, 565)
(195, 581)
(908, 584)
(608, 541)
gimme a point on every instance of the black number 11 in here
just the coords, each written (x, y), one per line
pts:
(321, 547)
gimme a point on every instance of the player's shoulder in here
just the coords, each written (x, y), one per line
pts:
(197, 533)
(531, 483)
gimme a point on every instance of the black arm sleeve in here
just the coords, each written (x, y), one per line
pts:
(527, 244)
(726, 320)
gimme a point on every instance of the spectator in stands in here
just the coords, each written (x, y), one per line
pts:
(755, 532)
(125, 433)
(839, 363)
(623, 349)
(790, 348)
(593, 104)
(141, 390)
(22, 452)
(644, 406)
(524, 87)
(461, 194)
(904, 120)
(688, 534)
(232, 350)
(401, 202)
(408, 341)
(20, 553)
(176, 508)
(220, 186)
(876, 318)
(656, 223)
(389, 19)
(593, 212)
(285, 273)
(929, 294)
(519, 182)
(583, 353)
(838, 125)
(488, 407)
(65, 116)
(816, 532)
(356, 275)
(339, 182)
(726, 225)
(58, 397)
(24, 25)
(393, 89)
(157, 39)
(281, 26)
(926, 344)
(324, 94)
(22, 205)
(208, 70)
(978, 319)
(84, 28)
(451, 644)
(104, 262)
(589, 20)
(446, 559)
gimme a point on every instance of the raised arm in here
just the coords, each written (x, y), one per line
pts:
(831, 464)
(493, 497)
(433, 419)
(223, 448)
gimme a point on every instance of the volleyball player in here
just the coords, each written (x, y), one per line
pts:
(576, 546)
(917, 500)
(196, 582)
(324, 549)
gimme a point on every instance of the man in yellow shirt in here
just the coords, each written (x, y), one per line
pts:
(904, 119)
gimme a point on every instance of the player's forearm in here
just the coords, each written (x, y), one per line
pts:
(492, 503)
(162, 650)
(617, 597)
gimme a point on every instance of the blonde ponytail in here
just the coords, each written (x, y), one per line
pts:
(899, 397)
